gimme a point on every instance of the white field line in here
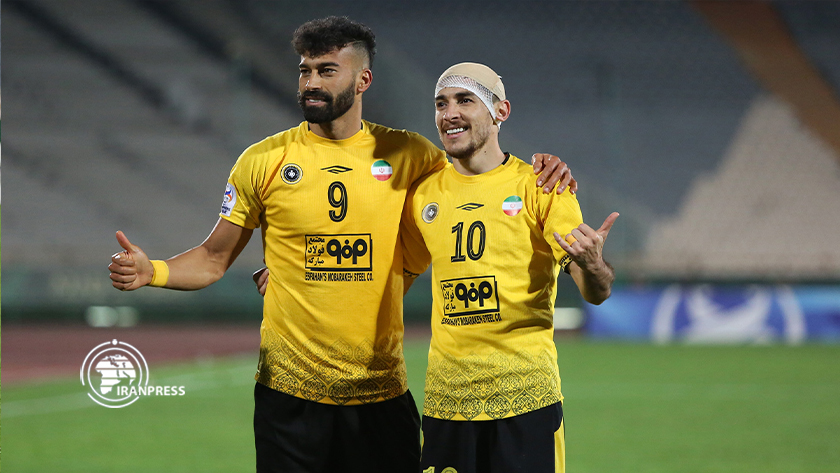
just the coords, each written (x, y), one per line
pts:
(210, 379)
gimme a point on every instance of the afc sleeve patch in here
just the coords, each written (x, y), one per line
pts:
(229, 200)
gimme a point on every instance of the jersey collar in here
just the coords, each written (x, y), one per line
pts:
(508, 163)
(313, 138)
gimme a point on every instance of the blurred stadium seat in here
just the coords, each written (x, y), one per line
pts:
(769, 209)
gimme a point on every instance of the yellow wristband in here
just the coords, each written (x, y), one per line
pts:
(161, 274)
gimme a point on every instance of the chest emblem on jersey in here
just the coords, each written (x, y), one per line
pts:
(229, 200)
(430, 212)
(291, 173)
(512, 205)
(381, 170)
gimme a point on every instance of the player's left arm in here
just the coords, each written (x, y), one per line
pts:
(593, 275)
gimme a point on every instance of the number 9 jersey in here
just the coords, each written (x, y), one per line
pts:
(329, 211)
(494, 270)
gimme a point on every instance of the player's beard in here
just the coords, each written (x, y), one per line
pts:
(478, 138)
(333, 107)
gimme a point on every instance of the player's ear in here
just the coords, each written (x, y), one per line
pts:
(364, 80)
(502, 110)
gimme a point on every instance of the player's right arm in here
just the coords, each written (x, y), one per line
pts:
(206, 263)
(194, 269)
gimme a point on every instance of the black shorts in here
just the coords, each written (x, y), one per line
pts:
(295, 435)
(527, 443)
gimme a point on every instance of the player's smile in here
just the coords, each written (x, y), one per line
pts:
(455, 132)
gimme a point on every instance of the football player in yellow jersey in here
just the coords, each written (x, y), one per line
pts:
(493, 400)
(331, 392)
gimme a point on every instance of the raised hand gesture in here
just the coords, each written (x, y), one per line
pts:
(593, 275)
(585, 245)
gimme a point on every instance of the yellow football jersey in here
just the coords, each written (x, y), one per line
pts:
(494, 270)
(329, 211)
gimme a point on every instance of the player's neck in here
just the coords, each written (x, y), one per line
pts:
(489, 157)
(342, 127)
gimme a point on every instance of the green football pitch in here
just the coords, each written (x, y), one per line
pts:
(629, 408)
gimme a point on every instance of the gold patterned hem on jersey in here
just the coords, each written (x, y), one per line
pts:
(337, 374)
(492, 387)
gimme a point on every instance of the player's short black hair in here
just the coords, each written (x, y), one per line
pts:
(325, 35)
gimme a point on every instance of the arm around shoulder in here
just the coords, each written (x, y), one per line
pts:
(416, 257)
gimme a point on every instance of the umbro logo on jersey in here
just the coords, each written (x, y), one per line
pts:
(470, 206)
(336, 169)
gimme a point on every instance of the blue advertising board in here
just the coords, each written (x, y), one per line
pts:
(718, 314)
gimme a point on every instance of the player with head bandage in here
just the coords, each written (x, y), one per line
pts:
(493, 401)
(475, 78)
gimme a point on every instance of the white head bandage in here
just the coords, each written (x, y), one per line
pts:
(478, 79)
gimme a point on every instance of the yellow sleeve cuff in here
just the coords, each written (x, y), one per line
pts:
(161, 274)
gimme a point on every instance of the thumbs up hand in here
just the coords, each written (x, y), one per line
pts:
(130, 268)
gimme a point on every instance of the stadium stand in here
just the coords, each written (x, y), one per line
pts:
(769, 209)
(87, 127)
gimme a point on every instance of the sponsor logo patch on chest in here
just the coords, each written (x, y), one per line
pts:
(470, 301)
(339, 257)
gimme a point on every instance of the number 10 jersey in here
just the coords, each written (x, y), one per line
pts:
(494, 270)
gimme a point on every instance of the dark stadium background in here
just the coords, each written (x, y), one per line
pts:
(712, 127)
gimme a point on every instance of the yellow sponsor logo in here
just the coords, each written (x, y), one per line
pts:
(342, 252)
(469, 296)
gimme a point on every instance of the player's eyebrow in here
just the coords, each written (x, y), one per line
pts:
(320, 65)
(458, 95)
